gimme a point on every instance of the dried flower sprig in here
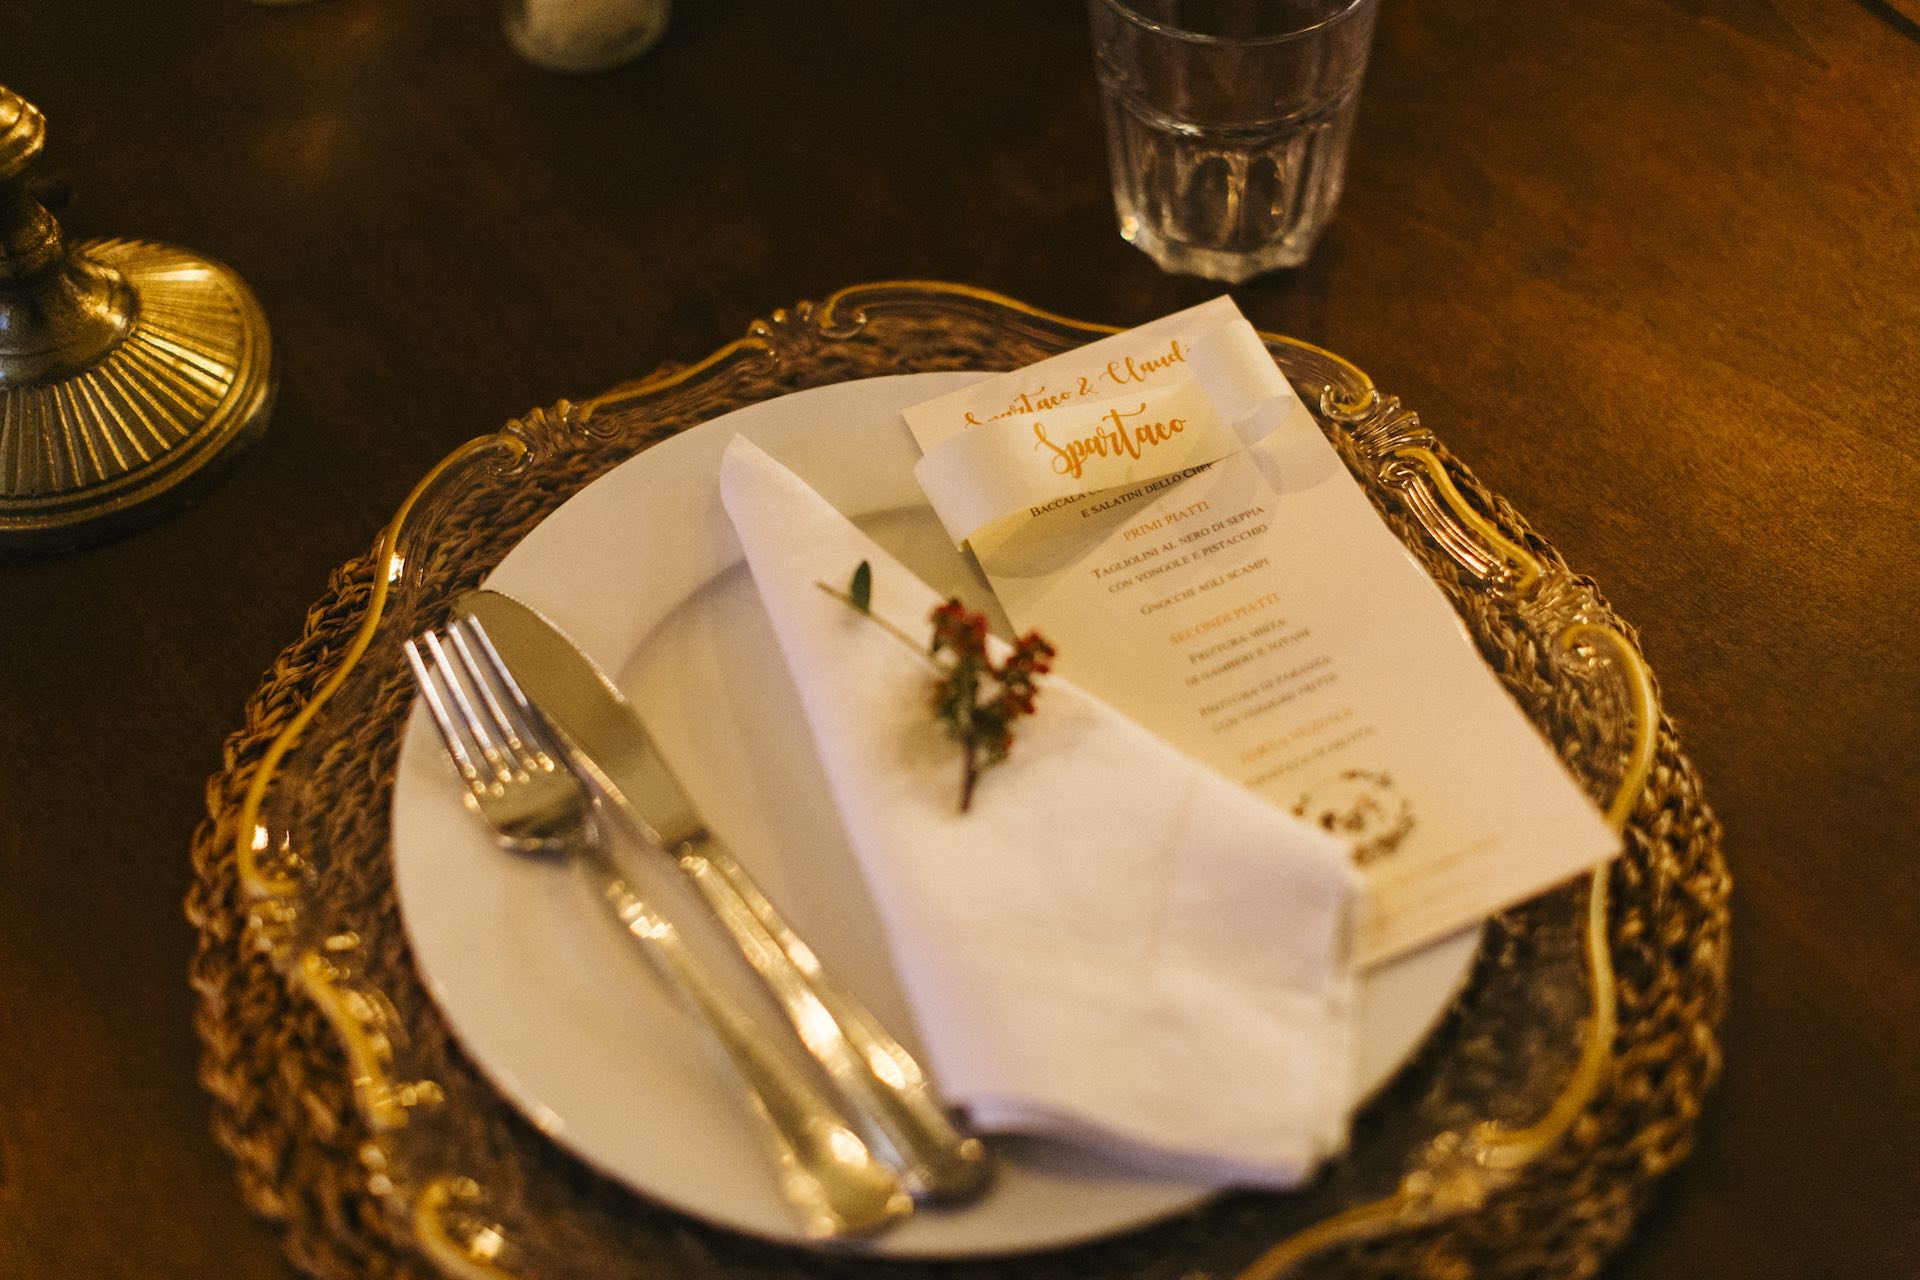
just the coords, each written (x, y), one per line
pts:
(976, 700)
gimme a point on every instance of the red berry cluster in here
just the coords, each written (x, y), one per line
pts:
(978, 717)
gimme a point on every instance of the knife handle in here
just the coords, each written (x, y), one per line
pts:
(890, 1098)
(839, 1186)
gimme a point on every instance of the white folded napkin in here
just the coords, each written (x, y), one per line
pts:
(1115, 943)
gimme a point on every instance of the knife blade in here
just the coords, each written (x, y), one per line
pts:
(887, 1094)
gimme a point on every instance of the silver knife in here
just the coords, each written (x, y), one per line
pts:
(888, 1096)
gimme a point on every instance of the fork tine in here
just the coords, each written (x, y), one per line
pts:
(517, 724)
(474, 716)
(533, 721)
(431, 678)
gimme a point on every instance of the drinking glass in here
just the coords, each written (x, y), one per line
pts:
(1228, 123)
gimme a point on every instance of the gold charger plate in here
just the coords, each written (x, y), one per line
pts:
(1521, 1141)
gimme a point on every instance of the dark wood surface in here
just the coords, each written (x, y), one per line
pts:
(1652, 268)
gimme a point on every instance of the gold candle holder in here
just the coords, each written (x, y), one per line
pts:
(127, 369)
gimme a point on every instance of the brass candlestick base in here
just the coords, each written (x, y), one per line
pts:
(127, 369)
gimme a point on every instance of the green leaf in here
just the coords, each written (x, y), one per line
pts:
(860, 590)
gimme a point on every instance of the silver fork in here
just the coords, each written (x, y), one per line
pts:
(516, 779)
(887, 1096)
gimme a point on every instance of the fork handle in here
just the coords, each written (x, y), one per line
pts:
(840, 1187)
(889, 1097)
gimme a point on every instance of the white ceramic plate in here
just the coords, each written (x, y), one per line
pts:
(557, 1008)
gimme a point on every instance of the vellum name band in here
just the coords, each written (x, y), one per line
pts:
(1171, 404)
(1243, 600)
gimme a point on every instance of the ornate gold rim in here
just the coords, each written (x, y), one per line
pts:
(1495, 1147)
(386, 1106)
(473, 1261)
(830, 307)
(251, 839)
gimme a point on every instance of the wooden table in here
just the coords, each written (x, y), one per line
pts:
(1651, 268)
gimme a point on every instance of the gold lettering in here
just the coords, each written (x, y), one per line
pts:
(1127, 369)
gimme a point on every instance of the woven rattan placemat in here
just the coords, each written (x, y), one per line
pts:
(284, 1107)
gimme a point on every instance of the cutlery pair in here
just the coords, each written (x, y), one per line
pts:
(522, 768)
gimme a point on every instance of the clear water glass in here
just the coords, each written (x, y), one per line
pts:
(1228, 123)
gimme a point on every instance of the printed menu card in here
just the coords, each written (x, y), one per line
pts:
(1162, 506)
